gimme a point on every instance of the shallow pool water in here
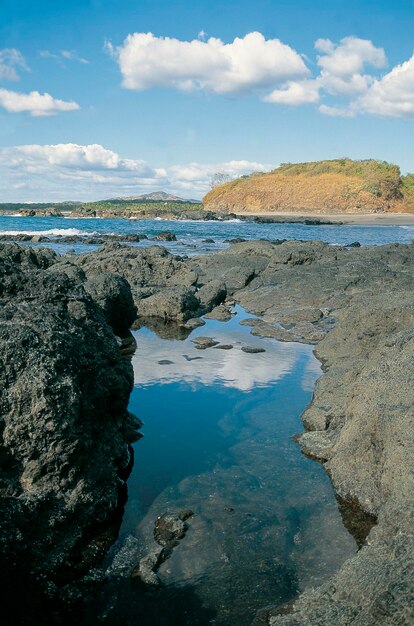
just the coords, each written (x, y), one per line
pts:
(217, 440)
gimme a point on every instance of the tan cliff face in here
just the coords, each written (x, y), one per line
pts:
(326, 187)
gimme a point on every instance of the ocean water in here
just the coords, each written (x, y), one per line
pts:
(217, 439)
(190, 234)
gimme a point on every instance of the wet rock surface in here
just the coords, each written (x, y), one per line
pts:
(169, 529)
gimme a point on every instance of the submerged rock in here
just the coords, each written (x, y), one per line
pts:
(194, 322)
(252, 349)
(169, 528)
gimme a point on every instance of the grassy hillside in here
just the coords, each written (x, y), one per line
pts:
(337, 186)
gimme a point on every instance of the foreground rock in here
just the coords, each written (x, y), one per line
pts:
(357, 305)
(361, 424)
(66, 430)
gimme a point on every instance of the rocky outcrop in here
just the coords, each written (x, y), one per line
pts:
(163, 285)
(65, 427)
(361, 423)
(320, 187)
(355, 303)
(46, 212)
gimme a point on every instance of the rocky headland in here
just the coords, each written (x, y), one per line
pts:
(68, 380)
(339, 186)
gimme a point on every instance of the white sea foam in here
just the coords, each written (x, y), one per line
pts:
(52, 232)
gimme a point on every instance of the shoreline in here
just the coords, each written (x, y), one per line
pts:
(324, 219)
(362, 219)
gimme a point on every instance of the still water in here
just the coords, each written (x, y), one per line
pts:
(217, 440)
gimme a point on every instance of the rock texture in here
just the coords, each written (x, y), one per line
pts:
(63, 371)
(357, 305)
(65, 427)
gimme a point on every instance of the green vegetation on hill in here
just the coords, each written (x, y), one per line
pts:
(382, 179)
(141, 206)
(408, 190)
(338, 185)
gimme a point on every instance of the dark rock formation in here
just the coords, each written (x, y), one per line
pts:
(165, 235)
(65, 427)
(113, 295)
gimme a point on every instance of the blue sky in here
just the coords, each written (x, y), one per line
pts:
(92, 107)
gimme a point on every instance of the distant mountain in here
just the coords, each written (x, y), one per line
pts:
(157, 196)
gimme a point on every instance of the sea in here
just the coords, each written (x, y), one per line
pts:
(191, 235)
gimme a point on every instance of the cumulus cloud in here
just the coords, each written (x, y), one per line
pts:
(345, 88)
(349, 56)
(392, 95)
(11, 60)
(295, 93)
(62, 171)
(75, 156)
(247, 64)
(35, 103)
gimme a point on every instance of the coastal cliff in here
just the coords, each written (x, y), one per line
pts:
(321, 187)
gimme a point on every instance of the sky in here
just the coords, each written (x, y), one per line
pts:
(102, 99)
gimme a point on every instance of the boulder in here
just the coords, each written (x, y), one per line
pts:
(170, 304)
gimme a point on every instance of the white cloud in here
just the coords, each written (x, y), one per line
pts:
(62, 171)
(35, 103)
(336, 111)
(349, 56)
(75, 156)
(11, 60)
(295, 93)
(352, 90)
(247, 64)
(72, 56)
(392, 95)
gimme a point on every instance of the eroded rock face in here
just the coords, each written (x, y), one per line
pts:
(65, 427)
(362, 424)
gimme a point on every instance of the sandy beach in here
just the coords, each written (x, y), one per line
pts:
(370, 219)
